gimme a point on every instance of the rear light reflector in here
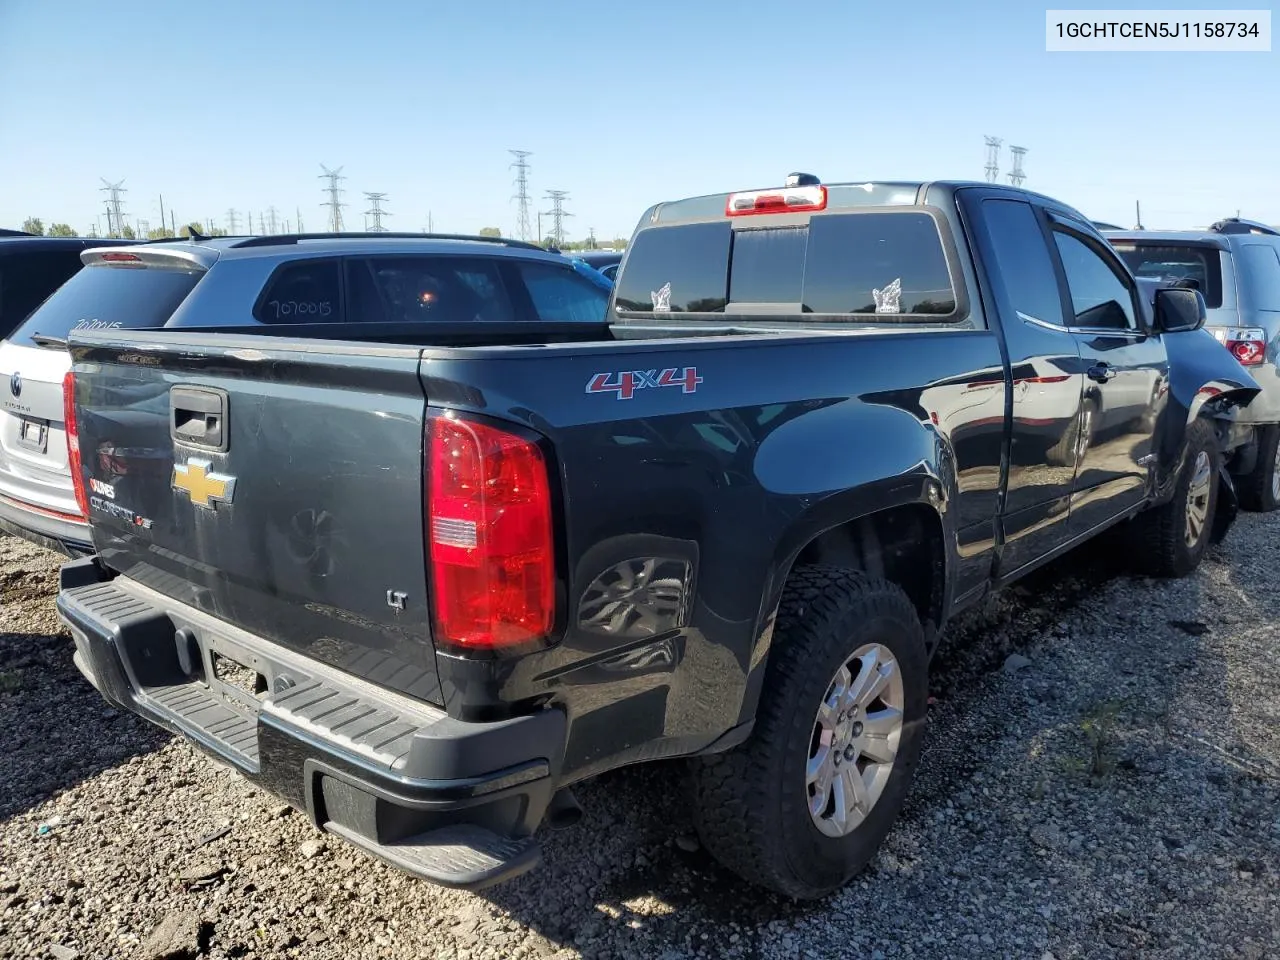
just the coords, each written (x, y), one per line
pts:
(72, 431)
(490, 541)
(786, 200)
(1247, 344)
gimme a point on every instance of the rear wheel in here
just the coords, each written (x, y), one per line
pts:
(1172, 538)
(1260, 489)
(804, 804)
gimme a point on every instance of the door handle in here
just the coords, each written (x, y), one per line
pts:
(198, 416)
(1100, 372)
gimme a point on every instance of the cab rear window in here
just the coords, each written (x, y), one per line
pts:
(104, 296)
(888, 265)
(1176, 261)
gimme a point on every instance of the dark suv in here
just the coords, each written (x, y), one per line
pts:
(299, 280)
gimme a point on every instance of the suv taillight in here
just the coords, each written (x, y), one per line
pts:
(1247, 344)
(73, 440)
(488, 502)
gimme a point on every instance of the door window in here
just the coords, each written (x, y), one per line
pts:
(1100, 299)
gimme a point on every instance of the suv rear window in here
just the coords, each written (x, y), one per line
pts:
(878, 263)
(103, 296)
(1176, 261)
(26, 279)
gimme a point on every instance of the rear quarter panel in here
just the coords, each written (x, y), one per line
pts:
(718, 489)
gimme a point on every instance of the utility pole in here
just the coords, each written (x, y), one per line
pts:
(298, 211)
(591, 238)
(162, 220)
(376, 212)
(173, 222)
(557, 214)
(334, 191)
(272, 223)
(233, 222)
(1137, 209)
(522, 192)
(262, 225)
(993, 158)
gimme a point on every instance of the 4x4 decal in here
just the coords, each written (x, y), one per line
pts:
(624, 384)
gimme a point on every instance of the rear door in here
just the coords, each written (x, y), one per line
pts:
(106, 293)
(1125, 369)
(1045, 379)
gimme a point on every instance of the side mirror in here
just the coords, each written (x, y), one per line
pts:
(1179, 310)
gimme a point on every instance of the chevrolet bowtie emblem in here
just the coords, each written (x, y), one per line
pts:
(202, 485)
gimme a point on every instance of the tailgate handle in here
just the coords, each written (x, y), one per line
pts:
(198, 417)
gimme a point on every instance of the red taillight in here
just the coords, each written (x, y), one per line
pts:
(788, 200)
(489, 534)
(73, 440)
(121, 258)
(1247, 344)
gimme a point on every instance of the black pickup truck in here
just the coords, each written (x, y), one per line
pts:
(419, 580)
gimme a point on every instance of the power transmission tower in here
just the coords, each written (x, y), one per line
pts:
(335, 206)
(233, 222)
(115, 207)
(993, 158)
(522, 192)
(1017, 174)
(272, 223)
(377, 213)
(557, 214)
(143, 229)
(298, 211)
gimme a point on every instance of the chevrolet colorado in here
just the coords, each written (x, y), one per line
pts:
(419, 581)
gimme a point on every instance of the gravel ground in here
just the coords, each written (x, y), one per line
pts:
(1100, 780)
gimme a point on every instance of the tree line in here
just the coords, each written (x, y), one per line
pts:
(35, 226)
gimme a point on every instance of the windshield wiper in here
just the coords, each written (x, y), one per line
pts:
(45, 340)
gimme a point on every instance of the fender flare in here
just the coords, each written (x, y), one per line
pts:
(922, 488)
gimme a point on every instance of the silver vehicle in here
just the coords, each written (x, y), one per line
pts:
(397, 280)
(1236, 266)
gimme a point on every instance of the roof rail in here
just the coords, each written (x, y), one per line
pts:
(1237, 225)
(287, 238)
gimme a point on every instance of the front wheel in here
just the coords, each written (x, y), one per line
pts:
(805, 803)
(1260, 489)
(1172, 538)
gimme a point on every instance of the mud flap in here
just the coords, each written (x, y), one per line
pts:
(1228, 506)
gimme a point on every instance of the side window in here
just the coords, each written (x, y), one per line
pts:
(559, 294)
(1022, 260)
(304, 291)
(432, 290)
(1261, 275)
(1099, 298)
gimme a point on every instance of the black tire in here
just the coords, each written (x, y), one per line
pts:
(1160, 534)
(1066, 452)
(1257, 489)
(751, 803)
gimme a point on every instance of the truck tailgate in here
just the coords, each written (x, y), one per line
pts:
(277, 489)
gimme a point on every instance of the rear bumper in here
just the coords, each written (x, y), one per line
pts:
(451, 802)
(53, 532)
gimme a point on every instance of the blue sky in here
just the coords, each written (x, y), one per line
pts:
(236, 104)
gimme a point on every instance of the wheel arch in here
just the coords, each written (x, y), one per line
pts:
(899, 531)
